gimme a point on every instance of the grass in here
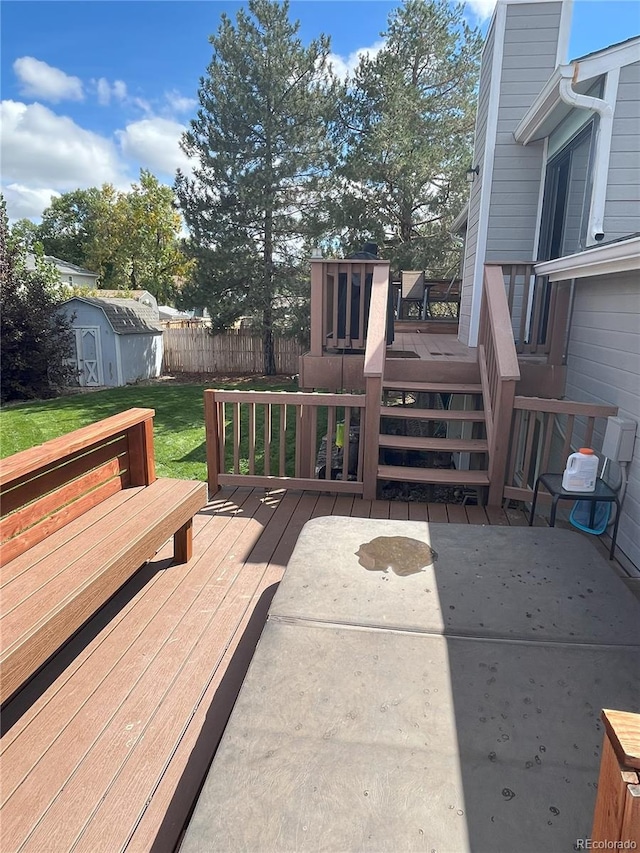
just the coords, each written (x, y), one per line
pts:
(178, 425)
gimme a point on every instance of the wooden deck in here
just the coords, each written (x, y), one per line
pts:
(431, 345)
(85, 744)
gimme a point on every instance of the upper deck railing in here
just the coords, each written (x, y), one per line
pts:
(539, 311)
(340, 303)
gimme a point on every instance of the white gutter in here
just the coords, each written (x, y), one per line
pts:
(623, 256)
(604, 108)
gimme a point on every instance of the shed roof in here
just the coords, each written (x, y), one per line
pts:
(126, 316)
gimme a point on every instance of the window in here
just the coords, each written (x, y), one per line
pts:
(567, 197)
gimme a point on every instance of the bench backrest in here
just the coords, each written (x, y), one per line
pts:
(46, 487)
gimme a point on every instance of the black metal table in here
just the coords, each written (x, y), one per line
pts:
(602, 493)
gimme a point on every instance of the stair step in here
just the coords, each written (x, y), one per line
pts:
(431, 414)
(448, 445)
(443, 476)
(434, 387)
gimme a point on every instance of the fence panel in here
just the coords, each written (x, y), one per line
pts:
(196, 350)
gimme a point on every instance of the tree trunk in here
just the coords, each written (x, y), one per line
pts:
(267, 343)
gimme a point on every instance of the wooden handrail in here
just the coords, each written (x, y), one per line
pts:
(377, 328)
(564, 407)
(374, 357)
(500, 323)
(499, 372)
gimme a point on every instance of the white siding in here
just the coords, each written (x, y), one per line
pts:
(603, 366)
(622, 206)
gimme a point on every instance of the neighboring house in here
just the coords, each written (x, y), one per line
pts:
(166, 313)
(142, 296)
(557, 186)
(70, 274)
(118, 341)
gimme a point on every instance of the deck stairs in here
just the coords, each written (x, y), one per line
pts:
(433, 433)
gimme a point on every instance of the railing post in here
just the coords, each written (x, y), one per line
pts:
(558, 323)
(373, 396)
(317, 306)
(142, 467)
(501, 440)
(212, 440)
(304, 442)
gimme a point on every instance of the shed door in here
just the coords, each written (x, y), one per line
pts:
(89, 355)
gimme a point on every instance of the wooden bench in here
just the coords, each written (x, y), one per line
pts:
(80, 515)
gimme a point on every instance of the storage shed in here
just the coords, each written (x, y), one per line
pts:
(118, 341)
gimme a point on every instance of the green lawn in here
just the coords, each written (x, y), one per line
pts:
(178, 425)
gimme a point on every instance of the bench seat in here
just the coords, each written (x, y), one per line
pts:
(51, 590)
(80, 515)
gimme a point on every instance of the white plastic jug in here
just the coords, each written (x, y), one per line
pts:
(581, 472)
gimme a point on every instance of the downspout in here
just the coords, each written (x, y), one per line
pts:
(604, 108)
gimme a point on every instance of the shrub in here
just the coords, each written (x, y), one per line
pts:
(36, 340)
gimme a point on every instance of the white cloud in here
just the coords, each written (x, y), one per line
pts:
(179, 103)
(119, 90)
(39, 80)
(342, 66)
(27, 202)
(153, 142)
(106, 91)
(41, 149)
(483, 9)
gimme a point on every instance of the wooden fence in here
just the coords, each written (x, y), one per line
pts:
(236, 351)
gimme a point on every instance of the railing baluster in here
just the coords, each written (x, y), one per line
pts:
(566, 449)
(547, 421)
(312, 450)
(528, 450)
(222, 428)
(331, 425)
(267, 439)
(588, 433)
(345, 442)
(236, 438)
(336, 290)
(282, 461)
(361, 305)
(252, 438)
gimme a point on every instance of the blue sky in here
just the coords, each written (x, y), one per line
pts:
(92, 90)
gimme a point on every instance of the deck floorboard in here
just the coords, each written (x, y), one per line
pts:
(107, 746)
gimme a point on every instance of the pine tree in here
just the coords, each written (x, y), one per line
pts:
(406, 131)
(260, 139)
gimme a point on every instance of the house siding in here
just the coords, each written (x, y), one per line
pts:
(622, 205)
(529, 58)
(603, 366)
(530, 47)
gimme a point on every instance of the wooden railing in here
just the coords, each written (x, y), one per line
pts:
(539, 311)
(340, 303)
(374, 359)
(543, 434)
(272, 439)
(499, 372)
